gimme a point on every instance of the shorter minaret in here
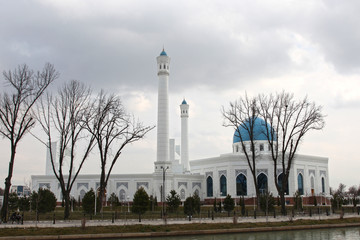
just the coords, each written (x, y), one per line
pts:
(184, 108)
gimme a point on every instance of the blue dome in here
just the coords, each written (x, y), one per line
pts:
(259, 131)
(163, 53)
(184, 102)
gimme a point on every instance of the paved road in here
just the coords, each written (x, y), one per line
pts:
(77, 223)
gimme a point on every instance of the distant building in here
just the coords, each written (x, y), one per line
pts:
(210, 177)
(20, 190)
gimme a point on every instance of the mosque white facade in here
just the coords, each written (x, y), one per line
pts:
(209, 178)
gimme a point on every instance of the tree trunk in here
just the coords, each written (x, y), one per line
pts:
(282, 202)
(4, 209)
(102, 188)
(66, 196)
(6, 200)
(256, 188)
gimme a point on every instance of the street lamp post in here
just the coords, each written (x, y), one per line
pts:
(163, 189)
(220, 201)
(72, 203)
(122, 200)
(254, 202)
(128, 198)
(95, 202)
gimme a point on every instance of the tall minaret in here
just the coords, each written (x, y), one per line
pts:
(184, 110)
(163, 62)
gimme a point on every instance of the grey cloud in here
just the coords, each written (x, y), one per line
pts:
(336, 30)
(112, 51)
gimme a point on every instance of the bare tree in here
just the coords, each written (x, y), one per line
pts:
(62, 119)
(286, 123)
(338, 196)
(24, 88)
(241, 116)
(113, 129)
(354, 193)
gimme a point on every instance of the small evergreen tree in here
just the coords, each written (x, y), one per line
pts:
(114, 200)
(151, 203)
(189, 206)
(173, 201)
(297, 201)
(315, 201)
(267, 202)
(155, 201)
(24, 203)
(88, 203)
(214, 205)
(43, 201)
(229, 204)
(197, 203)
(242, 204)
(13, 202)
(140, 202)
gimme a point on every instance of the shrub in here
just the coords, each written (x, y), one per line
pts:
(173, 201)
(24, 203)
(267, 201)
(13, 201)
(88, 202)
(43, 201)
(229, 203)
(140, 202)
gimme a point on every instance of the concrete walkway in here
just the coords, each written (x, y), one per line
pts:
(77, 223)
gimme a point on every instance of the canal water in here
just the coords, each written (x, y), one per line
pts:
(315, 234)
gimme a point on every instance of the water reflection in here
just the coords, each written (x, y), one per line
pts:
(322, 234)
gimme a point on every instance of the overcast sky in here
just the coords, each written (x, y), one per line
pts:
(219, 50)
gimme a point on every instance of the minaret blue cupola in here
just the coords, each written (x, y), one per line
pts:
(163, 53)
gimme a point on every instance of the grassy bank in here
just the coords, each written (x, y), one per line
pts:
(164, 228)
(121, 213)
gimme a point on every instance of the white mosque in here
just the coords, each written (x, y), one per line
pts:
(209, 178)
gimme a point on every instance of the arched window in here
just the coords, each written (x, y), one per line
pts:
(164, 66)
(323, 185)
(209, 186)
(280, 178)
(261, 147)
(182, 194)
(160, 66)
(196, 192)
(312, 184)
(122, 195)
(223, 191)
(300, 184)
(82, 194)
(262, 183)
(241, 186)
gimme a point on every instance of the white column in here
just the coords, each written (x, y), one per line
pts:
(184, 108)
(163, 120)
(163, 62)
